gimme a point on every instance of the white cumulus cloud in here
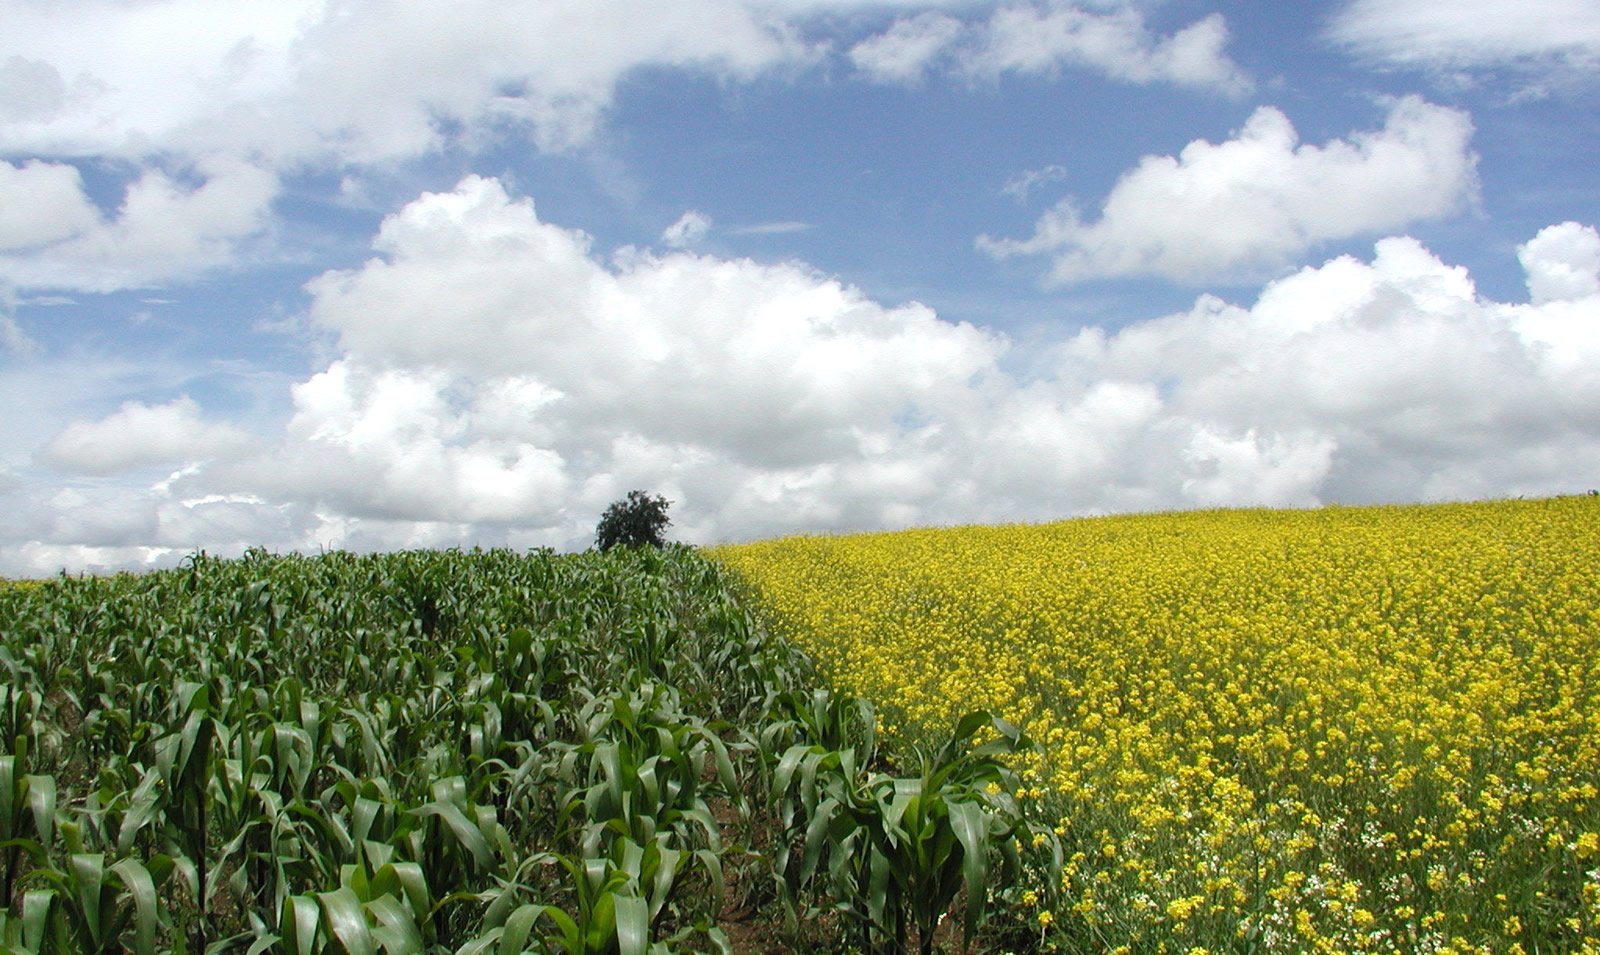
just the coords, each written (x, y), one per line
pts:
(166, 227)
(1260, 199)
(42, 203)
(138, 435)
(1562, 263)
(497, 380)
(365, 80)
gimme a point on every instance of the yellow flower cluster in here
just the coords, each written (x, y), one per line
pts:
(1343, 729)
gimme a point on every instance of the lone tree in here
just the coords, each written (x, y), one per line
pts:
(639, 519)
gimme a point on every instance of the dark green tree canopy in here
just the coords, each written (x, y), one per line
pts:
(637, 520)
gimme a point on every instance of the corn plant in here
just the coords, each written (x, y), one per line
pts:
(639, 771)
(27, 815)
(618, 904)
(892, 853)
(90, 907)
(431, 752)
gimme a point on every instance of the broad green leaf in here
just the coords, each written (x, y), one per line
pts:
(42, 804)
(466, 834)
(633, 924)
(971, 826)
(346, 922)
(817, 839)
(141, 887)
(406, 881)
(517, 929)
(8, 796)
(88, 878)
(38, 905)
(144, 808)
(301, 918)
(397, 932)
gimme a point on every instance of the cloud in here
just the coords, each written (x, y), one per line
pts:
(140, 436)
(903, 52)
(53, 236)
(203, 108)
(42, 203)
(1553, 37)
(366, 81)
(1260, 199)
(690, 228)
(14, 339)
(1019, 185)
(1042, 39)
(772, 228)
(733, 354)
(210, 104)
(300, 82)
(497, 380)
(1562, 263)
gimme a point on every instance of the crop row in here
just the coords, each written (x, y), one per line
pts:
(461, 752)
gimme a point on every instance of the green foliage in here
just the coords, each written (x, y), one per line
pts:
(892, 853)
(638, 520)
(453, 752)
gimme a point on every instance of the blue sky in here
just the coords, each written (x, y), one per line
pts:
(392, 274)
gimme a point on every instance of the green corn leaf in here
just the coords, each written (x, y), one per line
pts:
(42, 805)
(571, 937)
(725, 771)
(467, 834)
(601, 928)
(144, 808)
(971, 826)
(667, 864)
(346, 922)
(818, 838)
(406, 881)
(712, 864)
(363, 816)
(514, 940)
(189, 875)
(88, 873)
(970, 724)
(882, 895)
(142, 888)
(787, 766)
(199, 733)
(354, 878)
(10, 797)
(483, 943)
(701, 815)
(38, 906)
(298, 926)
(649, 785)
(502, 902)
(397, 932)
(633, 924)
(817, 762)
(902, 817)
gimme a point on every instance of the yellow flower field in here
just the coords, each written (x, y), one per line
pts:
(1344, 729)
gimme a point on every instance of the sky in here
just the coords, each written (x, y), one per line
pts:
(380, 274)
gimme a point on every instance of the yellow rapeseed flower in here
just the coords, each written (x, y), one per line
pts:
(1387, 708)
